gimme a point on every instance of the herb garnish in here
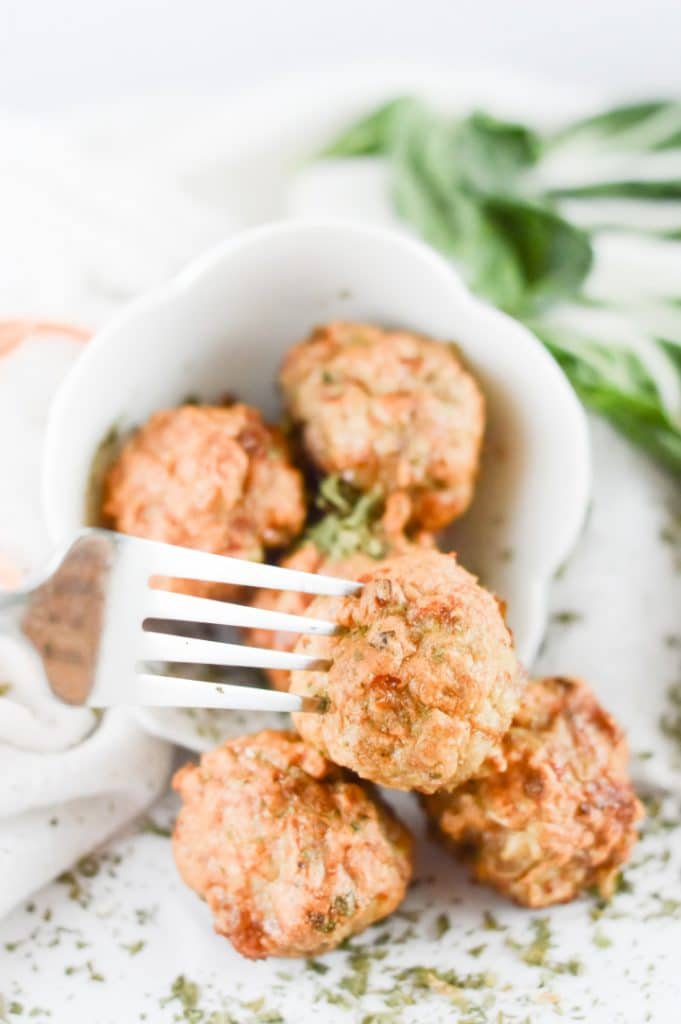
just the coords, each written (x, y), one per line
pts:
(442, 925)
(357, 982)
(670, 723)
(350, 523)
(183, 990)
(490, 922)
(566, 618)
(317, 966)
(536, 952)
(133, 948)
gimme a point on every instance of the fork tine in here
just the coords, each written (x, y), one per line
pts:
(163, 604)
(152, 690)
(166, 647)
(187, 563)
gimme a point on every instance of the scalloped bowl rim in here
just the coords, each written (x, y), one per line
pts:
(179, 289)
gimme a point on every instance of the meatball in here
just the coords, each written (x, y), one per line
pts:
(389, 410)
(207, 477)
(338, 548)
(422, 681)
(291, 854)
(561, 816)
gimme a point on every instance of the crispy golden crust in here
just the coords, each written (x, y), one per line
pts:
(390, 410)
(561, 817)
(309, 558)
(217, 479)
(423, 681)
(291, 855)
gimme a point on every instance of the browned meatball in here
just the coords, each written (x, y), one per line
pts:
(422, 680)
(291, 855)
(213, 478)
(390, 410)
(330, 551)
(561, 817)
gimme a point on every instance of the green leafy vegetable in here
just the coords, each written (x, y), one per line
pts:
(673, 140)
(616, 120)
(448, 182)
(653, 126)
(372, 135)
(473, 188)
(429, 193)
(673, 351)
(654, 189)
(493, 151)
(555, 256)
(614, 381)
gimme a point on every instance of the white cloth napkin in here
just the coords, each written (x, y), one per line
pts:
(84, 231)
(57, 803)
(69, 778)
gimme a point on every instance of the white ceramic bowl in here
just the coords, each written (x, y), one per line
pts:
(223, 325)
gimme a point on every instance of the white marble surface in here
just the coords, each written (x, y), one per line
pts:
(95, 210)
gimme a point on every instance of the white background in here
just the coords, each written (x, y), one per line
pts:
(60, 53)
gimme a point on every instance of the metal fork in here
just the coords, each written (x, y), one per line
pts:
(90, 617)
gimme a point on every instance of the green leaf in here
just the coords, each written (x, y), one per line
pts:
(426, 188)
(496, 272)
(492, 153)
(673, 351)
(429, 193)
(489, 150)
(615, 120)
(613, 381)
(660, 440)
(447, 181)
(462, 184)
(652, 126)
(513, 252)
(671, 141)
(653, 189)
(371, 135)
(554, 255)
